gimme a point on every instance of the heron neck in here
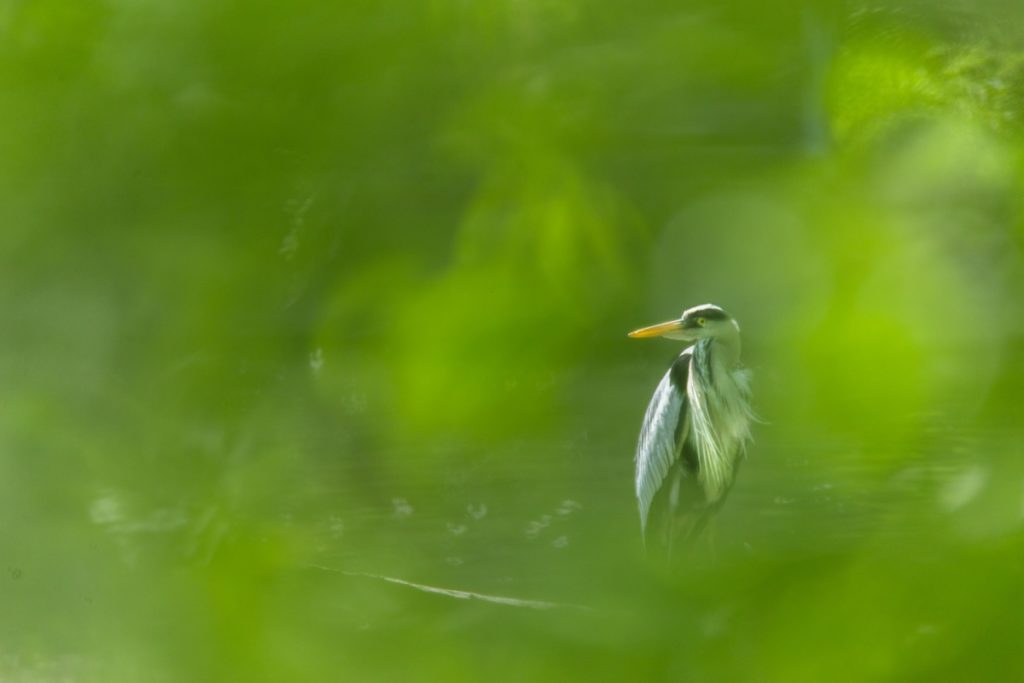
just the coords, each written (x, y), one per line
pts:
(727, 348)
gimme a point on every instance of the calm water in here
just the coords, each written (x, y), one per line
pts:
(325, 556)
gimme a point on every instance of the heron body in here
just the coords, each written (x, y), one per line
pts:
(695, 429)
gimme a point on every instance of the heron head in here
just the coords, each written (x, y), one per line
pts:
(699, 322)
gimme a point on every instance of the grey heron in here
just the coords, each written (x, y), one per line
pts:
(696, 427)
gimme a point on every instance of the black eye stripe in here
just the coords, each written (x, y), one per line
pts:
(709, 313)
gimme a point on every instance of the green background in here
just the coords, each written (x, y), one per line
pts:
(296, 295)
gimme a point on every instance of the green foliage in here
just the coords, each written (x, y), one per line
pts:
(299, 295)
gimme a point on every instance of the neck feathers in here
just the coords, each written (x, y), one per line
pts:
(727, 346)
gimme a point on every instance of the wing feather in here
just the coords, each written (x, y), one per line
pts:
(662, 434)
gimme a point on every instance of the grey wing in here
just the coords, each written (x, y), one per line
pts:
(663, 432)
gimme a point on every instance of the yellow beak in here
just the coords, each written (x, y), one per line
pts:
(659, 330)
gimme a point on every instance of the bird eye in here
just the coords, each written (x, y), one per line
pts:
(701, 321)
